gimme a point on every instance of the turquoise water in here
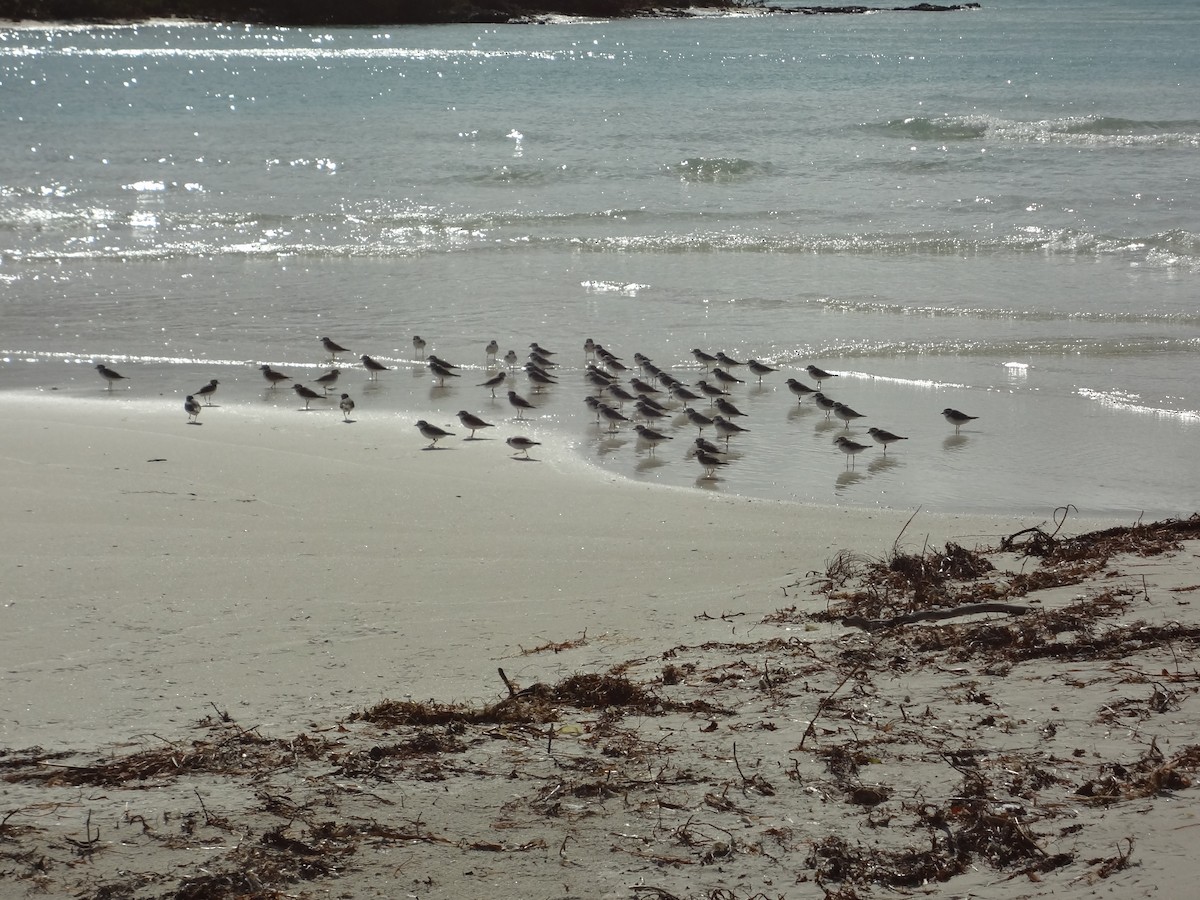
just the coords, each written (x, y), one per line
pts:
(992, 210)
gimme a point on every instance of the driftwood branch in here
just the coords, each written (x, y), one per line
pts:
(933, 615)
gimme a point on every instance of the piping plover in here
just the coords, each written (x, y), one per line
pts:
(956, 418)
(850, 448)
(109, 375)
(818, 375)
(432, 432)
(346, 405)
(207, 391)
(308, 394)
(373, 366)
(192, 407)
(884, 437)
(522, 444)
(472, 422)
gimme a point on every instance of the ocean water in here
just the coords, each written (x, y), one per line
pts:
(997, 211)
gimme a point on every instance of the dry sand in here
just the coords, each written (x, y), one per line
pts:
(234, 593)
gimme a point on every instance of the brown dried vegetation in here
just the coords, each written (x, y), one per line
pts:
(692, 766)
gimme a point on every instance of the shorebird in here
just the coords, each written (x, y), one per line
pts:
(705, 359)
(347, 406)
(956, 418)
(419, 346)
(818, 375)
(589, 349)
(540, 351)
(703, 444)
(329, 379)
(643, 387)
(308, 394)
(614, 417)
(651, 437)
(681, 393)
(726, 360)
(432, 432)
(332, 348)
(438, 361)
(519, 403)
(648, 411)
(207, 391)
(373, 366)
(441, 371)
(728, 409)
(846, 414)
(710, 462)
(510, 359)
(727, 429)
(540, 379)
(711, 391)
(273, 377)
(759, 369)
(850, 448)
(472, 422)
(725, 378)
(824, 402)
(522, 444)
(109, 375)
(619, 394)
(884, 437)
(192, 407)
(490, 351)
(700, 420)
(494, 382)
(799, 388)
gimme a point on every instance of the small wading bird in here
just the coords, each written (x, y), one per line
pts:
(522, 444)
(472, 422)
(347, 406)
(850, 448)
(419, 346)
(308, 394)
(651, 437)
(759, 369)
(846, 414)
(710, 462)
(956, 418)
(432, 432)
(207, 391)
(273, 377)
(329, 379)
(192, 407)
(332, 348)
(818, 375)
(373, 366)
(799, 388)
(884, 437)
(494, 382)
(109, 375)
(519, 403)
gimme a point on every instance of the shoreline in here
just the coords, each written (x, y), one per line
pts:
(477, 14)
(262, 656)
(198, 560)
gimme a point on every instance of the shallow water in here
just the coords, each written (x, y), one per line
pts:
(994, 211)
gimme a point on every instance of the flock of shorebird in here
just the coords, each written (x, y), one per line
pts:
(657, 398)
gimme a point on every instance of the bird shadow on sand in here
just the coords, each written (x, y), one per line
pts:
(434, 448)
(955, 442)
(524, 459)
(478, 439)
(195, 423)
(349, 421)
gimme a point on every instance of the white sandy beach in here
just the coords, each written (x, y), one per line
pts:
(291, 570)
(293, 566)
